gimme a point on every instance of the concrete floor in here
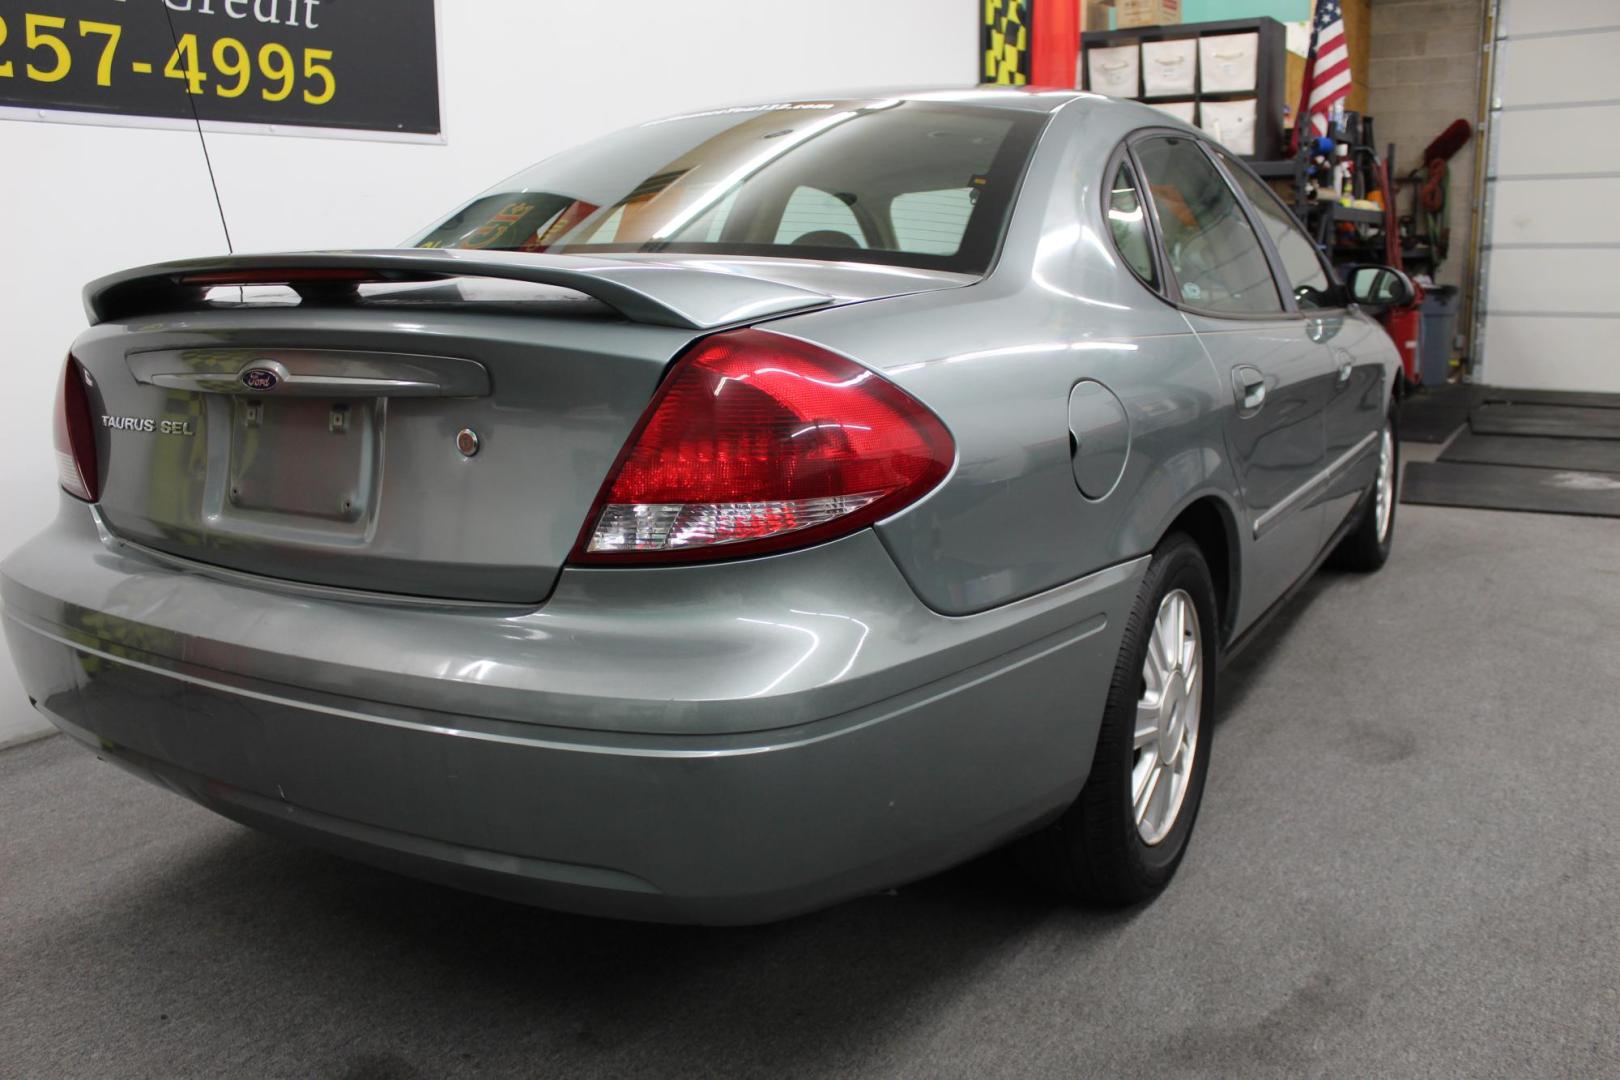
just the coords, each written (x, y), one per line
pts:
(1407, 865)
(18, 722)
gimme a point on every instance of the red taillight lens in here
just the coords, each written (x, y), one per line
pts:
(757, 442)
(76, 435)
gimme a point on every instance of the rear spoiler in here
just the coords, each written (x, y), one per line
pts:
(663, 294)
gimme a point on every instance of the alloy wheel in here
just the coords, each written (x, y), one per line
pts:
(1167, 717)
(1384, 494)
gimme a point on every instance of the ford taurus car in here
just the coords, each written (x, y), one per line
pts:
(746, 511)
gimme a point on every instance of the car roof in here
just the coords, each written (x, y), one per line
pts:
(1021, 98)
(1029, 99)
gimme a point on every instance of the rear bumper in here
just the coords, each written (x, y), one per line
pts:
(850, 740)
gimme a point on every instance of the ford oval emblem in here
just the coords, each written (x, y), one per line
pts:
(260, 379)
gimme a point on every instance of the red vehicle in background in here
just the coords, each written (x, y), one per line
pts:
(1401, 323)
(1402, 326)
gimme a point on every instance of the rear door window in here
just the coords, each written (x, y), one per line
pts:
(931, 222)
(1214, 254)
(1311, 284)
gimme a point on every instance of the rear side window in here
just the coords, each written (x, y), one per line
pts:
(1215, 256)
(1312, 287)
(818, 219)
(1128, 222)
(931, 221)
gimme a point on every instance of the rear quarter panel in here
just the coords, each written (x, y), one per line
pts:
(997, 361)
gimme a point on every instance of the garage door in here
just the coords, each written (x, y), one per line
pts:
(1551, 304)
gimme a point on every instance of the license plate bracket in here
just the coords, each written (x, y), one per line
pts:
(303, 458)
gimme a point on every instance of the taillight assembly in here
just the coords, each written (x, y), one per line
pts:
(76, 465)
(757, 442)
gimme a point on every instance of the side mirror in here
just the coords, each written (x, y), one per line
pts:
(1379, 287)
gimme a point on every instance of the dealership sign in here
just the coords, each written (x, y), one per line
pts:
(364, 68)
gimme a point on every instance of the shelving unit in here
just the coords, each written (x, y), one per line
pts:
(1270, 69)
(1321, 218)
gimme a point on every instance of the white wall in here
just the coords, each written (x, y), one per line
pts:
(1423, 75)
(522, 79)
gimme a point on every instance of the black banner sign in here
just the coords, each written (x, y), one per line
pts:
(364, 65)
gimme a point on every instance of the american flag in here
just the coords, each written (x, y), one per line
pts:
(1327, 68)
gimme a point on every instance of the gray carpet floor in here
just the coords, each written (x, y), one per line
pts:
(1407, 865)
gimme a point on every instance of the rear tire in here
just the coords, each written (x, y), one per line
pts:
(1120, 842)
(1366, 547)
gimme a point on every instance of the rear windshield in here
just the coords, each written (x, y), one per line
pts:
(910, 183)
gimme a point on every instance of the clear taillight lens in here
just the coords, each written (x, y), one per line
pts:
(757, 442)
(76, 435)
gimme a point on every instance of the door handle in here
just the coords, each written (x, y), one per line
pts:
(1345, 367)
(1249, 388)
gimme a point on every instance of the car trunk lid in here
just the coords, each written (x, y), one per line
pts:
(428, 424)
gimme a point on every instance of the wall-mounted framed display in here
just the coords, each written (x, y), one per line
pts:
(366, 69)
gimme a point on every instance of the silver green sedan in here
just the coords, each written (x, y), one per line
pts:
(746, 511)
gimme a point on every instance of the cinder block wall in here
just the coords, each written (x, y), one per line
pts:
(1425, 73)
